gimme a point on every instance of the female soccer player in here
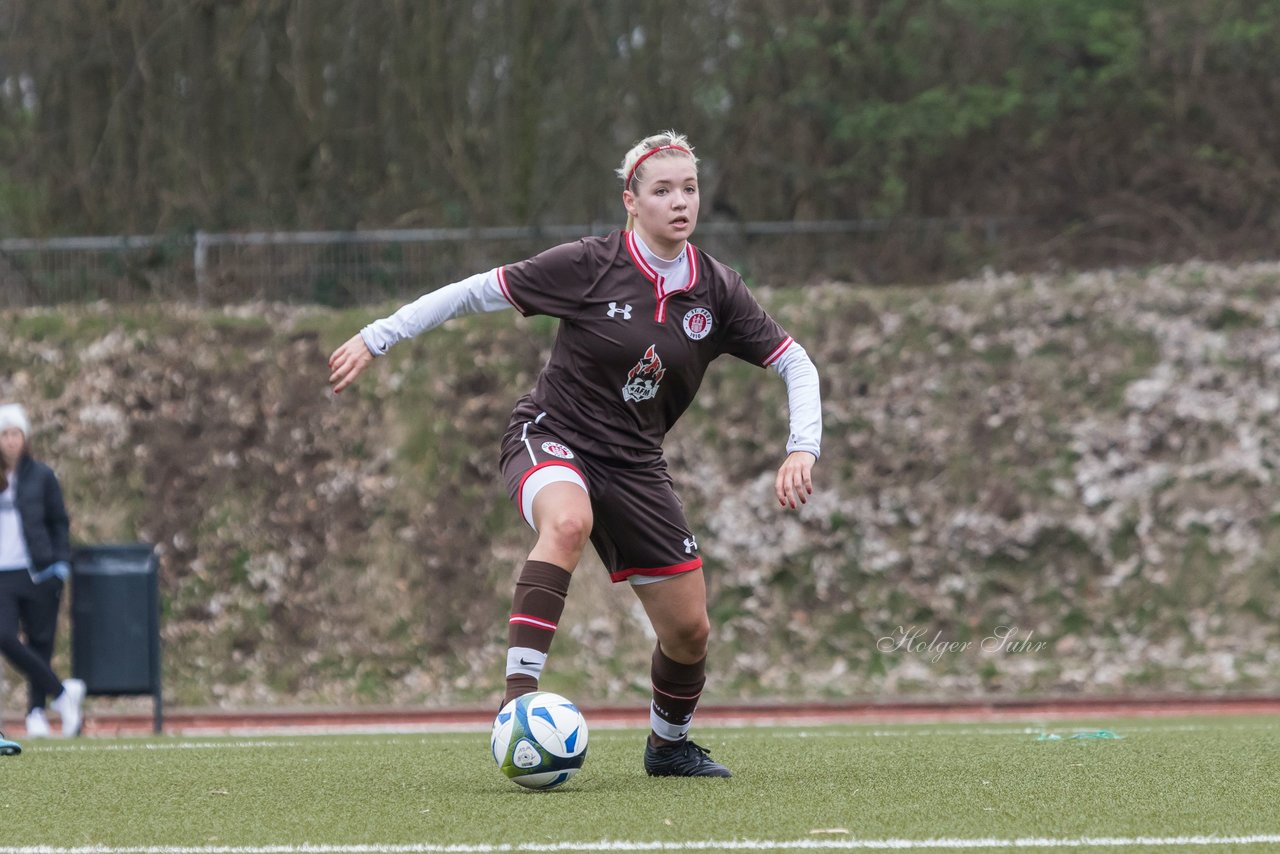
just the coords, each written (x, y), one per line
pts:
(642, 314)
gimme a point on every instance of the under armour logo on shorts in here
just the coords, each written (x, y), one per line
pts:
(690, 544)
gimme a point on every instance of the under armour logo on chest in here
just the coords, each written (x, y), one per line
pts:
(625, 311)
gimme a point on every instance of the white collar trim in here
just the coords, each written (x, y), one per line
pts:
(661, 264)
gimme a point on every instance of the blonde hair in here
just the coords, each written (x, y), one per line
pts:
(675, 145)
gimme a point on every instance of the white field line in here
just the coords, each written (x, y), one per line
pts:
(88, 746)
(713, 735)
(711, 718)
(939, 844)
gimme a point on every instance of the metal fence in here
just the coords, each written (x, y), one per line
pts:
(353, 267)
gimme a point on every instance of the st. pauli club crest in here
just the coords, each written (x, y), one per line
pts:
(556, 449)
(697, 323)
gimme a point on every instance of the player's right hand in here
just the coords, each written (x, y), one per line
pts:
(348, 362)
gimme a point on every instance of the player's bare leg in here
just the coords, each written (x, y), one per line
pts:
(562, 516)
(677, 608)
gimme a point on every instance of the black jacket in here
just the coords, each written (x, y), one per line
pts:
(45, 523)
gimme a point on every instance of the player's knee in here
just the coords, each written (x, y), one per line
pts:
(568, 532)
(692, 635)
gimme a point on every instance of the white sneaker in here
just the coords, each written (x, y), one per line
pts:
(67, 706)
(37, 724)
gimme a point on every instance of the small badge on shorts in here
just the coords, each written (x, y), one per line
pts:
(697, 323)
(555, 449)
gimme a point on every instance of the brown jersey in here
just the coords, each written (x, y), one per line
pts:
(630, 354)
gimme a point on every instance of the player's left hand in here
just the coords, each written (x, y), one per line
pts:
(795, 479)
(348, 362)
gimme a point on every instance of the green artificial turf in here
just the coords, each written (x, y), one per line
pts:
(1162, 778)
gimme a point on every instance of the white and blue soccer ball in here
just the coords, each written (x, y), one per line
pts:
(539, 740)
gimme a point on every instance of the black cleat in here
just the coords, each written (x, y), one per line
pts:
(682, 759)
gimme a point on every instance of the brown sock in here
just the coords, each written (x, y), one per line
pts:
(676, 690)
(535, 611)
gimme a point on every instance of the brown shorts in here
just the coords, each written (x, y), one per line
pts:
(639, 529)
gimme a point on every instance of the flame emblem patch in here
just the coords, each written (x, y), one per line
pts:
(643, 379)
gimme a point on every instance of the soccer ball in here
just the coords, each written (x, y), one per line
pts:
(539, 740)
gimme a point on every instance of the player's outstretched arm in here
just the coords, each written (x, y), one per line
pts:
(472, 295)
(348, 362)
(794, 482)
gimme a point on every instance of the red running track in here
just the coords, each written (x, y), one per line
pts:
(192, 722)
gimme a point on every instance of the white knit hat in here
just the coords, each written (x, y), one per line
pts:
(13, 415)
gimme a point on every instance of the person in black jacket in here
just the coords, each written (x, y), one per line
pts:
(35, 550)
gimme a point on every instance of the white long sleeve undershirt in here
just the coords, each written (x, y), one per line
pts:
(473, 295)
(482, 293)
(804, 400)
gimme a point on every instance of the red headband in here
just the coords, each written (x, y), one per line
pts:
(649, 154)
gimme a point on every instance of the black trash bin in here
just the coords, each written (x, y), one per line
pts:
(115, 621)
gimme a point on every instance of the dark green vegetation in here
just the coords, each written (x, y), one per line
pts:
(1095, 131)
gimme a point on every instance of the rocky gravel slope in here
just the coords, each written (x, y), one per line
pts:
(1050, 485)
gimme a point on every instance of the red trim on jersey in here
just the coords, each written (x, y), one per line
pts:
(520, 488)
(506, 290)
(778, 351)
(636, 256)
(676, 569)
(530, 620)
(660, 310)
(660, 314)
